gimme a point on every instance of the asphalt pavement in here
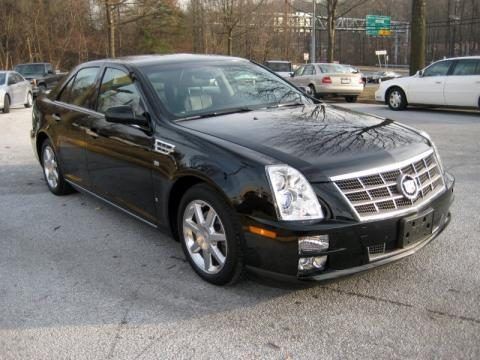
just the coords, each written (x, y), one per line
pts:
(81, 280)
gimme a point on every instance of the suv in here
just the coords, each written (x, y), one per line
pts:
(41, 76)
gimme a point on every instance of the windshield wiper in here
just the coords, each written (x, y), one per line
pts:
(217, 113)
(293, 103)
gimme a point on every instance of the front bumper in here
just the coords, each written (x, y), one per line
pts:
(349, 242)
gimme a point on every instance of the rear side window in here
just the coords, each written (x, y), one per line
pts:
(438, 69)
(118, 89)
(467, 67)
(83, 88)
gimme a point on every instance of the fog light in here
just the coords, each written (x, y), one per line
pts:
(312, 244)
(312, 263)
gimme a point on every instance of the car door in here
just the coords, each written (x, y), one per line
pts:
(72, 114)
(427, 88)
(308, 75)
(119, 156)
(22, 87)
(462, 87)
(13, 88)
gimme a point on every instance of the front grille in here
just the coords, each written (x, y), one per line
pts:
(375, 194)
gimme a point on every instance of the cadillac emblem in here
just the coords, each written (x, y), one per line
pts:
(407, 186)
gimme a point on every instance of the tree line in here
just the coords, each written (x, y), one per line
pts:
(68, 32)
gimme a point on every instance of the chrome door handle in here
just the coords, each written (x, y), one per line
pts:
(438, 82)
(56, 117)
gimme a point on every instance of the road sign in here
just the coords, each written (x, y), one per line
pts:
(381, 52)
(378, 25)
(306, 56)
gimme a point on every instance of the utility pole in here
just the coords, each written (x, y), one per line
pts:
(418, 35)
(313, 49)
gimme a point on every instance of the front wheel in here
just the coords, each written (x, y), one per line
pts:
(351, 99)
(29, 102)
(6, 104)
(210, 235)
(52, 172)
(396, 99)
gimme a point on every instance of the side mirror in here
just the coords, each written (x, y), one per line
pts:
(306, 90)
(125, 115)
(419, 73)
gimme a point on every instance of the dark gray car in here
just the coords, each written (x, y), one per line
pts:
(14, 91)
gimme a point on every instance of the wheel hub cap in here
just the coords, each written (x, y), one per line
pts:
(50, 167)
(204, 236)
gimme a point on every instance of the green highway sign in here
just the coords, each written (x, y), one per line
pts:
(378, 25)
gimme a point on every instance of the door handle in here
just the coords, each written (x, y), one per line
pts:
(56, 117)
(438, 82)
(93, 132)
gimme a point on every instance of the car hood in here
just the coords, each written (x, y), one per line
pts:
(320, 140)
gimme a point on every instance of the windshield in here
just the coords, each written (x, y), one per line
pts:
(334, 69)
(279, 66)
(2, 78)
(188, 90)
(30, 69)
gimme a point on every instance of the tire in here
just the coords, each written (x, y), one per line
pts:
(6, 104)
(52, 171)
(29, 102)
(351, 99)
(214, 249)
(314, 93)
(396, 99)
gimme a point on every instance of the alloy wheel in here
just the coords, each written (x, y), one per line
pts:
(395, 99)
(204, 236)
(50, 167)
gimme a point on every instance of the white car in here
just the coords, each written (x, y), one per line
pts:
(14, 91)
(450, 82)
(329, 79)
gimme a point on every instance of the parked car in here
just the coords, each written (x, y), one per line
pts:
(329, 80)
(14, 91)
(450, 82)
(41, 76)
(282, 68)
(355, 70)
(257, 177)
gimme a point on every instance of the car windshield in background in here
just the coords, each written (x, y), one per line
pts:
(212, 89)
(279, 67)
(2, 78)
(334, 69)
(30, 69)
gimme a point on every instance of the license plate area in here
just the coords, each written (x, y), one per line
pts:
(345, 81)
(415, 228)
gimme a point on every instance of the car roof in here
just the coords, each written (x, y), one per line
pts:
(278, 61)
(145, 60)
(476, 57)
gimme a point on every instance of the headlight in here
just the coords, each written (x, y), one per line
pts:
(294, 197)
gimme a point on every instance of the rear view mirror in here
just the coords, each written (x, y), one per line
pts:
(124, 115)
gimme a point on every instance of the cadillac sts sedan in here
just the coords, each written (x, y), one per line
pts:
(247, 175)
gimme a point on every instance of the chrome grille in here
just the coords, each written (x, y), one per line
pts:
(374, 193)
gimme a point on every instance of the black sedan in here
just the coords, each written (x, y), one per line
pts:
(246, 171)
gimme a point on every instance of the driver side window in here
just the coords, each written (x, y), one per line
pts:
(438, 69)
(118, 89)
(299, 71)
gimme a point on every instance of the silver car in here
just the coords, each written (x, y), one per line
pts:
(14, 91)
(329, 79)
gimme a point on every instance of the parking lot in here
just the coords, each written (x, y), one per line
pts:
(81, 280)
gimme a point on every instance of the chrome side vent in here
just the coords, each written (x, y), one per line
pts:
(163, 147)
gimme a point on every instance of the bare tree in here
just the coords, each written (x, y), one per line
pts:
(418, 35)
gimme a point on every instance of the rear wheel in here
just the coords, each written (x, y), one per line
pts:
(396, 99)
(210, 235)
(52, 172)
(351, 99)
(29, 100)
(312, 88)
(6, 104)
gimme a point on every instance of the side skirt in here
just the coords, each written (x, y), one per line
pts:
(81, 189)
